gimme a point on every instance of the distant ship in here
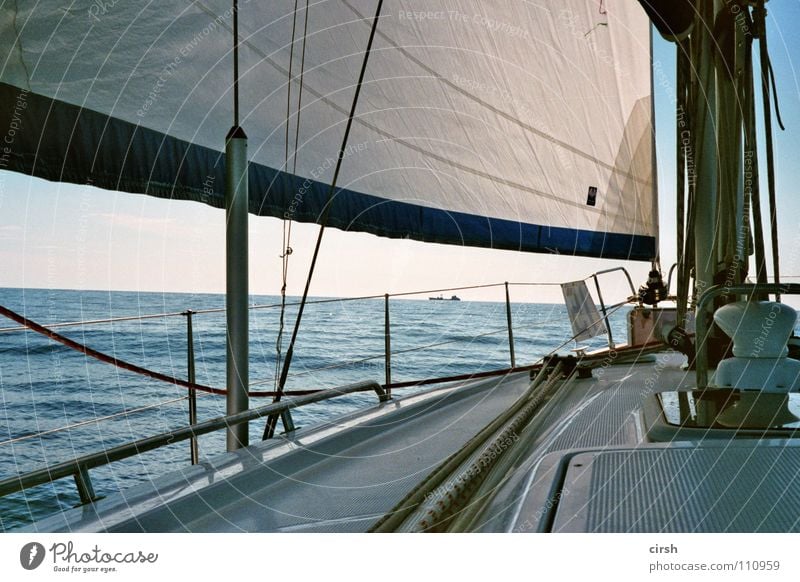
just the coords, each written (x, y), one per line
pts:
(440, 298)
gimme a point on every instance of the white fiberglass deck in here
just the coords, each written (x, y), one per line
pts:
(589, 467)
(323, 479)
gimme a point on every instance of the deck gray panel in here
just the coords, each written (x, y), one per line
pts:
(708, 489)
(617, 392)
(603, 422)
(336, 485)
(590, 468)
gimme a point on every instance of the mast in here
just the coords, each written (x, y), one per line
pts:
(705, 152)
(237, 272)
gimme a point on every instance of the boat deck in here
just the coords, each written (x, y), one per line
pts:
(339, 477)
(589, 467)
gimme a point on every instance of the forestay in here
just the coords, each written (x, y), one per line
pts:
(506, 124)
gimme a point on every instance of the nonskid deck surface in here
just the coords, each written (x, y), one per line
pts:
(341, 477)
(595, 470)
(345, 476)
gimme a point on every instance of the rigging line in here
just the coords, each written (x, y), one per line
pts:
(97, 321)
(300, 93)
(610, 311)
(289, 90)
(272, 420)
(484, 104)
(275, 305)
(236, 63)
(775, 94)
(96, 420)
(760, 13)
(287, 223)
(282, 318)
(269, 305)
(286, 250)
(680, 190)
(103, 357)
(408, 350)
(751, 151)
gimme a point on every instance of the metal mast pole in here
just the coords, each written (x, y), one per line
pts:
(237, 273)
(705, 154)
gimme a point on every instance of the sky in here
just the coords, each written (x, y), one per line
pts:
(65, 236)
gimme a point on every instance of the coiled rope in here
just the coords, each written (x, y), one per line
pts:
(404, 515)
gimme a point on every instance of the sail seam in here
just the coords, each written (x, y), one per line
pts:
(500, 112)
(266, 58)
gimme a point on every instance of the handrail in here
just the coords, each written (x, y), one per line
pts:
(702, 324)
(611, 270)
(79, 466)
(114, 361)
(669, 276)
(83, 481)
(602, 301)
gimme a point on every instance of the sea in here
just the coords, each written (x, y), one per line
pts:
(57, 404)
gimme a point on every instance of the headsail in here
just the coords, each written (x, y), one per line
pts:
(502, 124)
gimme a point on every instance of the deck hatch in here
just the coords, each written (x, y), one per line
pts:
(705, 489)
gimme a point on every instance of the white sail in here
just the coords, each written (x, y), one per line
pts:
(507, 124)
(583, 315)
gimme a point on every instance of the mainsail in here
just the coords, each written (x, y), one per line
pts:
(504, 124)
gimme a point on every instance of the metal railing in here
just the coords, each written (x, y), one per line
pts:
(387, 355)
(79, 467)
(703, 317)
(603, 308)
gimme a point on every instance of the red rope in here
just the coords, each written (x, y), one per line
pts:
(33, 326)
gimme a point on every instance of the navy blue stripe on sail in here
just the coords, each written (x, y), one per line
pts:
(65, 143)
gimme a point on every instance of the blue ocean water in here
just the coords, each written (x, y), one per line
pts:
(46, 386)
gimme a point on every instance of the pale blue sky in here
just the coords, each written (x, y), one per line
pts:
(68, 236)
